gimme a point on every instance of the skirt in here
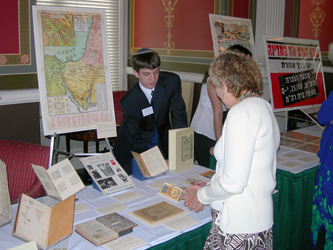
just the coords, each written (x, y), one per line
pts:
(245, 241)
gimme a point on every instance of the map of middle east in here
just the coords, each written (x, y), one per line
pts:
(73, 61)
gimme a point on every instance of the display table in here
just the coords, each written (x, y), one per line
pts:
(152, 236)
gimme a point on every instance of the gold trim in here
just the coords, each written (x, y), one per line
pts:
(23, 57)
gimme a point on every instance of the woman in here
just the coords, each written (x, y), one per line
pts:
(209, 117)
(240, 192)
(323, 193)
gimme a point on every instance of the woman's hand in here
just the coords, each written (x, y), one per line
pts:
(191, 199)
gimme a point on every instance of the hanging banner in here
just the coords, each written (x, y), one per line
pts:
(295, 73)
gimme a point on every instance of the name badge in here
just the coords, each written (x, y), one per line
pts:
(147, 111)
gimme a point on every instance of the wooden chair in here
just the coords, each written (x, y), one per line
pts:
(18, 157)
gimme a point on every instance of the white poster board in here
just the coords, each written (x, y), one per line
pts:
(295, 72)
(228, 31)
(73, 69)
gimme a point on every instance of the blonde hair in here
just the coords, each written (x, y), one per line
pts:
(239, 73)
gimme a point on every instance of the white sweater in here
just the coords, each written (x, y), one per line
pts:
(242, 186)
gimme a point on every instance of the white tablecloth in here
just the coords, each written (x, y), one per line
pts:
(93, 199)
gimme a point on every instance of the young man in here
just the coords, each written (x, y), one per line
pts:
(146, 118)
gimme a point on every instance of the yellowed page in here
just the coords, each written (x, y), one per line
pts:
(32, 221)
(154, 161)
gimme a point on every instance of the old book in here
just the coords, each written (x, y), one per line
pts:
(96, 232)
(181, 149)
(59, 181)
(171, 192)
(5, 206)
(38, 222)
(107, 173)
(157, 212)
(118, 223)
(151, 162)
(209, 174)
(105, 228)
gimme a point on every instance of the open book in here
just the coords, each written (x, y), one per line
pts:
(36, 221)
(59, 181)
(107, 173)
(5, 206)
(105, 228)
(181, 149)
(151, 162)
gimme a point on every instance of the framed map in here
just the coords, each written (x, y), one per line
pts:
(73, 69)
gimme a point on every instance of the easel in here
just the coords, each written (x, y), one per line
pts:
(54, 150)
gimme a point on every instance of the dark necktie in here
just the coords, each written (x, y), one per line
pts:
(152, 99)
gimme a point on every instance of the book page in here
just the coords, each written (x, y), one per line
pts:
(46, 181)
(125, 243)
(111, 208)
(62, 218)
(5, 205)
(154, 161)
(65, 179)
(107, 173)
(32, 221)
(127, 196)
(180, 223)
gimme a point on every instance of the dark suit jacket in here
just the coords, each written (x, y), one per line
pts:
(136, 130)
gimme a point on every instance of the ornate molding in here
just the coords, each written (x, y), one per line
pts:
(169, 8)
(23, 58)
(317, 17)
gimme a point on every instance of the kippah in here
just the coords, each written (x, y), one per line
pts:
(143, 50)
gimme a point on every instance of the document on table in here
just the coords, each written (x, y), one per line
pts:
(125, 243)
(158, 184)
(180, 223)
(79, 208)
(111, 208)
(131, 195)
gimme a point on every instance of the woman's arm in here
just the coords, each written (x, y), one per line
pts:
(217, 109)
(239, 145)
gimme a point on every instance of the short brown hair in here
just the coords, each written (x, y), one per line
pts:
(240, 74)
(148, 59)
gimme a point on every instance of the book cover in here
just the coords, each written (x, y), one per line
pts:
(157, 212)
(5, 205)
(60, 181)
(151, 162)
(107, 173)
(38, 222)
(96, 232)
(118, 223)
(181, 149)
(171, 192)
